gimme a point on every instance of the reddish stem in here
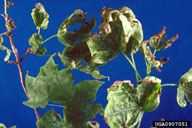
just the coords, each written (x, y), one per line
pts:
(18, 63)
(26, 53)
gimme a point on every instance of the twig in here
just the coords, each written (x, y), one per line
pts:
(18, 61)
(26, 53)
(12, 62)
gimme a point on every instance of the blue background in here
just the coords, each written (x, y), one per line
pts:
(176, 15)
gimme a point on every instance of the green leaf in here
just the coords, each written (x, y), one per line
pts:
(51, 120)
(102, 49)
(149, 91)
(73, 57)
(120, 32)
(2, 125)
(85, 93)
(35, 42)
(8, 51)
(185, 89)
(48, 81)
(123, 105)
(40, 16)
(156, 41)
(69, 38)
(76, 99)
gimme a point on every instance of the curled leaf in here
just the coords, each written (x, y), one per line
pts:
(149, 91)
(185, 89)
(156, 41)
(119, 32)
(40, 16)
(35, 42)
(79, 57)
(8, 51)
(3, 48)
(146, 52)
(69, 38)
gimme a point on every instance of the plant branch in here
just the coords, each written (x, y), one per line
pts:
(26, 53)
(132, 58)
(163, 85)
(138, 125)
(149, 66)
(3, 33)
(39, 30)
(50, 55)
(49, 38)
(5, 11)
(11, 62)
(17, 62)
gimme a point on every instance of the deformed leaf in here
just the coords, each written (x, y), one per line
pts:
(69, 38)
(49, 80)
(35, 42)
(40, 16)
(149, 91)
(51, 120)
(123, 105)
(102, 49)
(185, 89)
(156, 41)
(120, 32)
(8, 51)
(73, 57)
(186, 79)
(146, 52)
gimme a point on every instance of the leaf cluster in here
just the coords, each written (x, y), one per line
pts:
(119, 32)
